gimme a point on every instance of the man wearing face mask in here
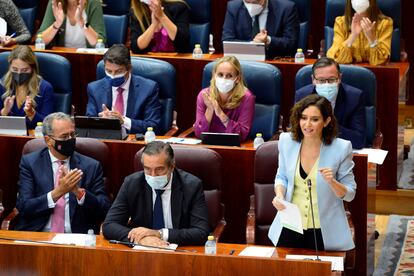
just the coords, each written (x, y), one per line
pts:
(273, 22)
(160, 204)
(130, 98)
(60, 190)
(347, 101)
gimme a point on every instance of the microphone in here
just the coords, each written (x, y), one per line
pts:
(313, 219)
(131, 244)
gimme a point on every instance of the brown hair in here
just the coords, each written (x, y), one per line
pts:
(329, 132)
(374, 13)
(65, 4)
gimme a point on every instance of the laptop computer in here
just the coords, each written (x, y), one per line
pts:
(13, 125)
(220, 139)
(98, 127)
(245, 50)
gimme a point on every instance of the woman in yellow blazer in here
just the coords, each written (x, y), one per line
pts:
(363, 34)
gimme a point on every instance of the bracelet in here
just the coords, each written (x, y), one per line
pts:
(54, 27)
(374, 44)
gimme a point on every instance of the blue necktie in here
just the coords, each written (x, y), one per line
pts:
(157, 214)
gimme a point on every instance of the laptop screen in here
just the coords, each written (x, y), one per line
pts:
(243, 50)
(13, 125)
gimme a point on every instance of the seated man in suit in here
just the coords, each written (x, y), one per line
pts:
(273, 22)
(60, 190)
(348, 101)
(130, 98)
(160, 204)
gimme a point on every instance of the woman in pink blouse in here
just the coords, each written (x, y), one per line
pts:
(227, 106)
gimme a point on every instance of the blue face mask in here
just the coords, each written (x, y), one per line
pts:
(328, 90)
(115, 80)
(157, 182)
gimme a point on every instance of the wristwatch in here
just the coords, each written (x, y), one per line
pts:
(85, 26)
(161, 234)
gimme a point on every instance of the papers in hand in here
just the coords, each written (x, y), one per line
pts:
(289, 217)
(376, 156)
(337, 263)
(172, 246)
(257, 251)
(70, 239)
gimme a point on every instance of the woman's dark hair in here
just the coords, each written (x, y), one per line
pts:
(329, 132)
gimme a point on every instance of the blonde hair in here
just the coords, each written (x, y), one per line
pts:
(239, 89)
(24, 53)
(143, 13)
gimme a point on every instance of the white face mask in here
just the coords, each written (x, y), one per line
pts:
(328, 90)
(224, 85)
(157, 182)
(253, 9)
(360, 6)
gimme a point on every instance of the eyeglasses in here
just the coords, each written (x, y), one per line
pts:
(65, 137)
(322, 81)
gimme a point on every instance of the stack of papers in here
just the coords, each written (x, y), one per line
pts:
(376, 156)
(337, 263)
(141, 247)
(258, 251)
(70, 239)
(91, 50)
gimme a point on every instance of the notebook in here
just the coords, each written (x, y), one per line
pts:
(13, 125)
(98, 127)
(220, 139)
(243, 50)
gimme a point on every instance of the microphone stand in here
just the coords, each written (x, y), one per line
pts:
(313, 219)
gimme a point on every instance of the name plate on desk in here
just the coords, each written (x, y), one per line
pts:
(244, 50)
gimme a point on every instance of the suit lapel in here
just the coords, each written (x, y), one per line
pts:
(132, 97)
(147, 205)
(339, 105)
(176, 200)
(46, 163)
(108, 99)
(270, 22)
(73, 164)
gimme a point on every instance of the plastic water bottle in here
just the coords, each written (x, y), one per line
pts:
(38, 130)
(40, 43)
(197, 52)
(100, 46)
(211, 49)
(258, 140)
(211, 246)
(90, 238)
(299, 56)
(149, 135)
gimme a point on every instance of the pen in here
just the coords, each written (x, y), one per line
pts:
(12, 35)
(231, 252)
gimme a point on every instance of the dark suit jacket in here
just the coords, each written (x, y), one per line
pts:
(143, 106)
(36, 180)
(349, 112)
(282, 26)
(179, 14)
(134, 200)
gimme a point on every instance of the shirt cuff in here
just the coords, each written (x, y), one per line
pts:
(165, 234)
(268, 40)
(127, 123)
(50, 203)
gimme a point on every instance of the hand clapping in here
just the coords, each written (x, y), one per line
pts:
(8, 104)
(58, 13)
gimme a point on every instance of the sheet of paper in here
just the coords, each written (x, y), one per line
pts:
(171, 246)
(257, 251)
(337, 263)
(376, 156)
(91, 50)
(3, 27)
(177, 140)
(71, 239)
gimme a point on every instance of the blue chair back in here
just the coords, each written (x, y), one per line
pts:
(359, 77)
(55, 69)
(162, 73)
(119, 7)
(304, 9)
(116, 28)
(392, 9)
(200, 14)
(265, 82)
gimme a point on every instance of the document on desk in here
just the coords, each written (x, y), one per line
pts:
(172, 246)
(177, 140)
(337, 263)
(376, 156)
(289, 217)
(71, 239)
(257, 251)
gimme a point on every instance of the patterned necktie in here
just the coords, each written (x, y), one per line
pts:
(119, 102)
(255, 27)
(157, 214)
(58, 216)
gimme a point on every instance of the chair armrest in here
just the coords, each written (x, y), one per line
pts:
(218, 231)
(251, 223)
(173, 130)
(10, 220)
(187, 133)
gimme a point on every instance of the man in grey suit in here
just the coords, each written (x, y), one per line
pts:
(160, 204)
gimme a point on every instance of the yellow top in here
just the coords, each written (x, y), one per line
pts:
(300, 196)
(360, 51)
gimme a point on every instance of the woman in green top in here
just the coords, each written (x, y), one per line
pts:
(73, 23)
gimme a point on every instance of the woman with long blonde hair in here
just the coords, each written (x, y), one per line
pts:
(159, 26)
(24, 92)
(227, 106)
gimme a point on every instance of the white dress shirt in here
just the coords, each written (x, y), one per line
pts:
(125, 86)
(166, 207)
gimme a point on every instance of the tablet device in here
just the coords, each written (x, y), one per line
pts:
(245, 50)
(13, 125)
(220, 139)
(98, 127)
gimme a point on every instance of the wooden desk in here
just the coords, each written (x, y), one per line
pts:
(109, 259)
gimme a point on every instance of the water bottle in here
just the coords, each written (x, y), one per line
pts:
(299, 56)
(149, 135)
(38, 130)
(40, 43)
(90, 238)
(211, 246)
(100, 46)
(211, 49)
(197, 52)
(258, 140)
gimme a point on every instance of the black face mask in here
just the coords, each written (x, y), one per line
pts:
(65, 147)
(21, 78)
